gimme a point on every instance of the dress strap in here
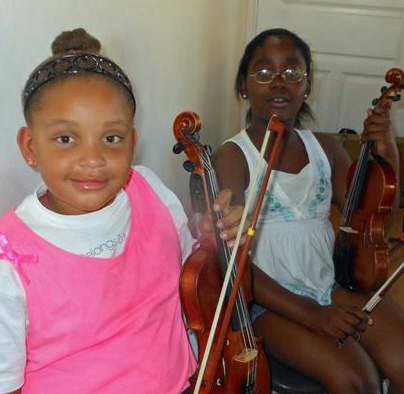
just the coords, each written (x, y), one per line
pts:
(314, 149)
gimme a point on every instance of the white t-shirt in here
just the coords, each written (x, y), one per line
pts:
(99, 234)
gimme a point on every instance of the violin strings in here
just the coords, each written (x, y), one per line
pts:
(357, 180)
(215, 190)
(246, 327)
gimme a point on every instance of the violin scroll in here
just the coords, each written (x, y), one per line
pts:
(186, 131)
(395, 76)
(186, 123)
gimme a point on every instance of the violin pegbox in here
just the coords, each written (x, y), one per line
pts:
(395, 76)
(186, 131)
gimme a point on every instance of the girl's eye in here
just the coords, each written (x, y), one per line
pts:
(292, 74)
(113, 138)
(264, 74)
(64, 139)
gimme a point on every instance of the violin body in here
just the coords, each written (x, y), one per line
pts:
(200, 286)
(361, 250)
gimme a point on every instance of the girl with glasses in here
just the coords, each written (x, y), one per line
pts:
(299, 311)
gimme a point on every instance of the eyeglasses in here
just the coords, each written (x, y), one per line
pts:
(290, 75)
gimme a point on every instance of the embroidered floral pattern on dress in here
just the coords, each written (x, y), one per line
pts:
(323, 188)
(276, 207)
(272, 205)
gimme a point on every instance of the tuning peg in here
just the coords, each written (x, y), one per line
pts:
(383, 89)
(208, 149)
(189, 166)
(397, 97)
(178, 148)
(375, 101)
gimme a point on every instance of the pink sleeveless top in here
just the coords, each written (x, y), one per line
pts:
(105, 326)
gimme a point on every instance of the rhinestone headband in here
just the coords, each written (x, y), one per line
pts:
(73, 64)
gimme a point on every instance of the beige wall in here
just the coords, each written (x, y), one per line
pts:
(180, 54)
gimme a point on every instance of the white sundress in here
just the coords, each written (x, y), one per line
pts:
(294, 238)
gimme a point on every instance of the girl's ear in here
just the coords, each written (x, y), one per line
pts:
(308, 87)
(25, 143)
(243, 89)
(134, 140)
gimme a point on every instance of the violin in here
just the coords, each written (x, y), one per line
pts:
(361, 248)
(237, 364)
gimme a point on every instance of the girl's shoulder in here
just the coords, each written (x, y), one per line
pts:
(165, 194)
(231, 166)
(148, 174)
(229, 150)
(230, 157)
(332, 147)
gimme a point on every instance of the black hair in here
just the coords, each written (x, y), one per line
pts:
(304, 111)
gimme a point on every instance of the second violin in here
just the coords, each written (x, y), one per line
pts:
(360, 253)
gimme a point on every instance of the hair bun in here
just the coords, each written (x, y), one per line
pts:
(77, 40)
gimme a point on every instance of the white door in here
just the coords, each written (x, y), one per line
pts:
(354, 43)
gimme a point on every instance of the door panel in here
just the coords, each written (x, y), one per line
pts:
(354, 44)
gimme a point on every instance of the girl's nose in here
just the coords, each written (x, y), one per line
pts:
(277, 80)
(91, 156)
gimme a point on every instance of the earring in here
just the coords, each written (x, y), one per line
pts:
(30, 162)
(305, 96)
(244, 96)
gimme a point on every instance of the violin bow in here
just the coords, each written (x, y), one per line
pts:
(275, 125)
(377, 297)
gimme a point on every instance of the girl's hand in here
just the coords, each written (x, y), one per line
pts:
(340, 321)
(378, 128)
(230, 222)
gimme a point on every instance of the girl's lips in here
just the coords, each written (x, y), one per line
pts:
(90, 184)
(278, 101)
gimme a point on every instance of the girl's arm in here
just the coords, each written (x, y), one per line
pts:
(335, 321)
(12, 328)
(232, 171)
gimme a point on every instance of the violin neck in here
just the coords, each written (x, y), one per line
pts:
(357, 184)
(224, 251)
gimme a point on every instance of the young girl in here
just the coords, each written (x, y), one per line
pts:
(90, 262)
(300, 313)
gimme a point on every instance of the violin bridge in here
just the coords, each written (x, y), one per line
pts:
(246, 356)
(348, 230)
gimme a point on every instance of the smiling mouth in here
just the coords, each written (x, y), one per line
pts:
(89, 184)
